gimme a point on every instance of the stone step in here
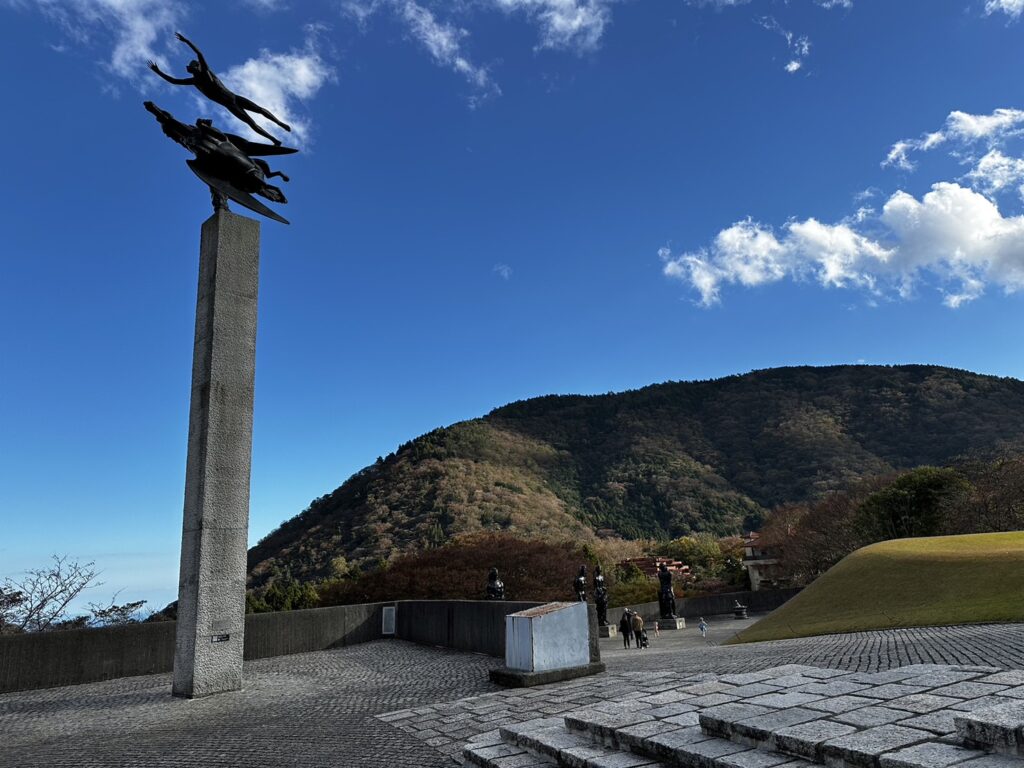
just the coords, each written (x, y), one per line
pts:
(997, 729)
(554, 744)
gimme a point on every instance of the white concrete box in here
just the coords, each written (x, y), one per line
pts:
(551, 636)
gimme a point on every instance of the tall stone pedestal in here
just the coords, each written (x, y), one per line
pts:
(211, 589)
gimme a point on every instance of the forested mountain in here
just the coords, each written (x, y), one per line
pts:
(657, 462)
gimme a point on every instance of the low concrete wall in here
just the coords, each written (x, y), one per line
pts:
(49, 659)
(316, 629)
(466, 625)
(761, 601)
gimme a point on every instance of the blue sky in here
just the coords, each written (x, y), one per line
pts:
(496, 199)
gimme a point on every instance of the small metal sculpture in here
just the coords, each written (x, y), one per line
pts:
(579, 584)
(224, 162)
(600, 597)
(666, 597)
(495, 587)
(208, 84)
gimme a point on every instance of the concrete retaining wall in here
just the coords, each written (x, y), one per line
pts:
(49, 659)
(761, 601)
(466, 625)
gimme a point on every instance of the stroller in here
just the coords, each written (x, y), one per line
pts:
(642, 640)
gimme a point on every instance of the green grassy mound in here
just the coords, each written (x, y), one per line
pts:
(932, 581)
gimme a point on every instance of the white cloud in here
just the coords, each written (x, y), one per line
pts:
(134, 26)
(278, 81)
(443, 42)
(504, 271)
(953, 236)
(995, 173)
(799, 45)
(1012, 8)
(963, 128)
(575, 24)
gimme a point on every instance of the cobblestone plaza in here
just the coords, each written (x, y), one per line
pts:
(392, 703)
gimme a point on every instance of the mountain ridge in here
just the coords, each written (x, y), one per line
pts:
(663, 460)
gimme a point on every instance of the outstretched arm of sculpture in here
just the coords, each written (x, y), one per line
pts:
(190, 44)
(168, 78)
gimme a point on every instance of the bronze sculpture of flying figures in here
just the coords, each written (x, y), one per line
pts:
(208, 84)
(230, 165)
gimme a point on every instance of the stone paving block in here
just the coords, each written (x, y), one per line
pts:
(871, 717)
(970, 690)
(670, 710)
(948, 677)
(882, 678)
(664, 745)
(805, 740)
(713, 700)
(939, 722)
(791, 681)
(863, 748)
(719, 721)
(633, 735)
(666, 697)
(784, 700)
(825, 673)
(603, 724)
(747, 678)
(752, 758)
(985, 702)
(710, 686)
(832, 688)
(839, 704)
(893, 691)
(621, 760)
(1015, 692)
(922, 703)
(997, 729)
(758, 730)
(753, 689)
(511, 731)
(703, 754)
(992, 761)
(686, 719)
(928, 755)
(1007, 677)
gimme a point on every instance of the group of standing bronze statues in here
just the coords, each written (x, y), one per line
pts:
(230, 165)
(666, 596)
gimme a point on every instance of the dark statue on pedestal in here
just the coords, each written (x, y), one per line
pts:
(579, 584)
(666, 598)
(600, 597)
(228, 164)
(212, 88)
(495, 586)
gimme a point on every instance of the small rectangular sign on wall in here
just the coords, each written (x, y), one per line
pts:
(220, 638)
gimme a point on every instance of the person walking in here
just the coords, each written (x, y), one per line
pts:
(626, 628)
(638, 628)
(703, 627)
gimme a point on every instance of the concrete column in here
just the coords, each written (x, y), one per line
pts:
(211, 588)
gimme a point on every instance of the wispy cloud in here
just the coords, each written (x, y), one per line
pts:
(1012, 8)
(443, 42)
(799, 45)
(133, 27)
(504, 271)
(281, 81)
(573, 24)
